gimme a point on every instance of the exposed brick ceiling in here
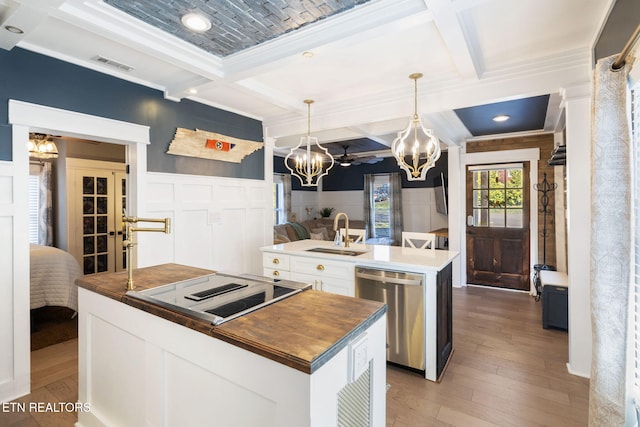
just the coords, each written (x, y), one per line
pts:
(236, 24)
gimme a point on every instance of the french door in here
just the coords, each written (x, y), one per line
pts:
(498, 225)
(96, 199)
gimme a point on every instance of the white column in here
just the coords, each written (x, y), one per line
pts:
(457, 218)
(577, 105)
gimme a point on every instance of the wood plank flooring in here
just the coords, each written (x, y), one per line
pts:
(505, 371)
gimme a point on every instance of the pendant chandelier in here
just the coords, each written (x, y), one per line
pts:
(42, 147)
(415, 148)
(307, 160)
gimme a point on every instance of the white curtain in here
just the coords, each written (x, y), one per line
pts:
(395, 187)
(286, 183)
(368, 199)
(610, 244)
(45, 205)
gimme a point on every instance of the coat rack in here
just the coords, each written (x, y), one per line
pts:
(544, 187)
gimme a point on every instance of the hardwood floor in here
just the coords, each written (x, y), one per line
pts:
(506, 371)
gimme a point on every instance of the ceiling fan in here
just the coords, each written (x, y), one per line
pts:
(347, 160)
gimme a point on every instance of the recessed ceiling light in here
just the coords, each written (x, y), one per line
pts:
(307, 54)
(501, 118)
(12, 29)
(196, 22)
(193, 91)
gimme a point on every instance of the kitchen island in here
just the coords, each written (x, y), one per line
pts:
(298, 361)
(333, 269)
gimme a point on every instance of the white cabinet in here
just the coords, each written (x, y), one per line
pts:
(275, 266)
(325, 275)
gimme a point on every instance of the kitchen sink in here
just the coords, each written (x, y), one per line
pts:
(336, 251)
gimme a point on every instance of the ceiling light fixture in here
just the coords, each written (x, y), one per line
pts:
(307, 54)
(306, 164)
(196, 22)
(501, 118)
(42, 147)
(421, 143)
(14, 30)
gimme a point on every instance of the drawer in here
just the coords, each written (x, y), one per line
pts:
(273, 260)
(323, 268)
(275, 273)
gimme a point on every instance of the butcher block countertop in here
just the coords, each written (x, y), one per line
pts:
(302, 331)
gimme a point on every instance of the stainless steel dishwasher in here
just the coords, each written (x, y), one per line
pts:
(404, 295)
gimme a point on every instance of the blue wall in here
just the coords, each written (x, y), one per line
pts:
(39, 79)
(352, 177)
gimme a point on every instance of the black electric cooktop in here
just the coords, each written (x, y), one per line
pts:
(220, 297)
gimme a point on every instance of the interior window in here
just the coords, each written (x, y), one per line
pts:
(498, 197)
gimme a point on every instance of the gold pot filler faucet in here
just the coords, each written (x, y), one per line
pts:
(128, 224)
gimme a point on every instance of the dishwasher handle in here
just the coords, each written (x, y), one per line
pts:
(395, 278)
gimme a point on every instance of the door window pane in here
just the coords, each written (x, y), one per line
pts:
(497, 197)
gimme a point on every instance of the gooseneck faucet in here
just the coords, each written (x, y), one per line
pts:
(128, 224)
(346, 227)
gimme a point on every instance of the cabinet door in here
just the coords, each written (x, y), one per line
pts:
(337, 286)
(306, 278)
(444, 339)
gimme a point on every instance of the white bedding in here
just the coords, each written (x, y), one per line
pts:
(53, 275)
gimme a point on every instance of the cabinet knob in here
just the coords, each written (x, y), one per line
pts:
(276, 261)
(276, 273)
(320, 267)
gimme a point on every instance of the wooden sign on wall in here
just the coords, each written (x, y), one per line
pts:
(210, 145)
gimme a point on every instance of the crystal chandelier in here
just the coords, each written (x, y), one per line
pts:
(305, 163)
(42, 147)
(416, 144)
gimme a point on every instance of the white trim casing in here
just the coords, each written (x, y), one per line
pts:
(15, 369)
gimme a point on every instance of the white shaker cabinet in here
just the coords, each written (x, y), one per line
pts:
(324, 275)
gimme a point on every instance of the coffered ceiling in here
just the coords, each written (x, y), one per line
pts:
(476, 55)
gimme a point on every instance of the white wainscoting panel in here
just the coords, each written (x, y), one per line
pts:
(217, 223)
(6, 296)
(349, 202)
(419, 210)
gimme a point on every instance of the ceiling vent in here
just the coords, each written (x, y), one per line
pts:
(112, 63)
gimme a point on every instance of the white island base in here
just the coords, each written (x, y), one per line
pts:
(138, 369)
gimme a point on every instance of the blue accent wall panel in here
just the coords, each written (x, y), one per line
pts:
(39, 79)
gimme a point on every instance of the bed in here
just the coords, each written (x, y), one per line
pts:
(53, 276)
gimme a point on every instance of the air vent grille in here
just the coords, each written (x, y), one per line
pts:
(112, 63)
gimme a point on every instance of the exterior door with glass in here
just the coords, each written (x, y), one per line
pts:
(97, 198)
(498, 226)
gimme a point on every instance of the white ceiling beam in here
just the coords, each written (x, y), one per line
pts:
(358, 22)
(25, 17)
(446, 20)
(101, 19)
